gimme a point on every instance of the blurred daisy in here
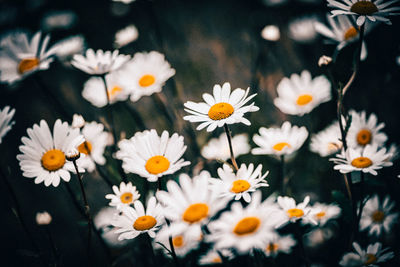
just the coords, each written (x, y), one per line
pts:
(44, 155)
(302, 29)
(270, 33)
(279, 141)
(279, 244)
(373, 10)
(377, 216)
(322, 213)
(148, 73)
(6, 116)
(293, 212)
(78, 121)
(126, 36)
(99, 62)
(367, 160)
(222, 108)
(102, 221)
(372, 257)
(213, 257)
(182, 243)
(190, 205)
(151, 156)
(240, 184)
(365, 131)
(123, 196)
(125, 1)
(66, 48)
(327, 142)
(274, 2)
(60, 19)
(301, 94)
(218, 148)
(318, 236)
(21, 56)
(136, 221)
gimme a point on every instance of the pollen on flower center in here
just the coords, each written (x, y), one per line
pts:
(85, 148)
(280, 146)
(371, 258)
(298, 213)
(240, 186)
(53, 160)
(364, 8)
(350, 33)
(364, 137)
(145, 222)
(178, 241)
(27, 64)
(361, 162)
(220, 111)
(147, 80)
(272, 247)
(217, 260)
(378, 216)
(247, 225)
(126, 198)
(157, 164)
(304, 99)
(320, 215)
(114, 91)
(195, 213)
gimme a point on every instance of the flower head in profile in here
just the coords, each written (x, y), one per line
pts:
(293, 212)
(279, 244)
(223, 107)
(152, 156)
(6, 116)
(103, 223)
(371, 257)
(322, 213)
(300, 94)
(124, 195)
(66, 48)
(327, 142)
(218, 148)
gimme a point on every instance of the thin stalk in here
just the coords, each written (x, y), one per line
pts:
(301, 245)
(360, 208)
(136, 116)
(283, 175)
(229, 137)
(53, 244)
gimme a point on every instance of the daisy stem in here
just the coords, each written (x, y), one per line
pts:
(136, 116)
(53, 244)
(98, 169)
(229, 136)
(360, 208)
(301, 245)
(284, 180)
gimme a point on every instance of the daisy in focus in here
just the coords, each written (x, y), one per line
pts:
(300, 94)
(240, 184)
(279, 244)
(378, 216)
(137, 220)
(279, 141)
(327, 142)
(224, 107)
(123, 196)
(44, 154)
(322, 213)
(6, 116)
(372, 257)
(218, 148)
(292, 212)
(126, 36)
(182, 243)
(152, 156)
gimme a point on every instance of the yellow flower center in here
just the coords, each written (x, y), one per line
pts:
(320, 215)
(178, 241)
(126, 198)
(147, 80)
(240, 186)
(364, 137)
(217, 260)
(157, 164)
(220, 111)
(272, 247)
(27, 64)
(145, 222)
(298, 213)
(378, 216)
(304, 99)
(53, 160)
(114, 91)
(364, 8)
(361, 162)
(195, 213)
(332, 147)
(371, 258)
(85, 148)
(247, 225)
(350, 33)
(280, 146)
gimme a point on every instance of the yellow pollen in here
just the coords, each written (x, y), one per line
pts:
(378, 216)
(85, 148)
(333, 146)
(157, 164)
(320, 215)
(27, 64)
(195, 213)
(247, 225)
(364, 8)
(126, 198)
(371, 258)
(298, 213)
(361, 162)
(114, 91)
(147, 80)
(145, 222)
(350, 33)
(304, 99)
(364, 137)
(217, 260)
(240, 186)
(220, 111)
(280, 146)
(177, 241)
(53, 160)
(272, 247)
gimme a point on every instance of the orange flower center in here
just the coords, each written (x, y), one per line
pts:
(147, 80)
(126, 198)
(27, 64)
(304, 99)
(371, 258)
(240, 186)
(177, 241)
(246, 226)
(195, 213)
(361, 162)
(217, 260)
(280, 146)
(145, 222)
(220, 111)
(114, 91)
(350, 33)
(53, 160)
(157, 164)
(298, 213)
(85, 148)
(364, 137)
(378, 216)
(320, 215)
(364, 8)
(272, 247)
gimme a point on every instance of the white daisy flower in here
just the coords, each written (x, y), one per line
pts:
(44, 155)
(279, 141)
(279, 244)
(182, 243)
(151, 156)
(60, 19)
(43, 218)
(190, 205)
(239, 184)
(300, 94)
(372, 257)
(123, 196)
(293, 212)
(66, 48)
(367, 160)
(78, 121)
(136, 221)
(327, 142)
(99, 62)
(322, 213)
(271, 33)
(126, 36)
(148, 73)
(365, 131)
(377, 216)
(373, 10)
(102, 221)
(6, 116)
(302, 29)
(218, 148)
(213, 257)
(21, 56)
(222, 108)
(318, 236)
